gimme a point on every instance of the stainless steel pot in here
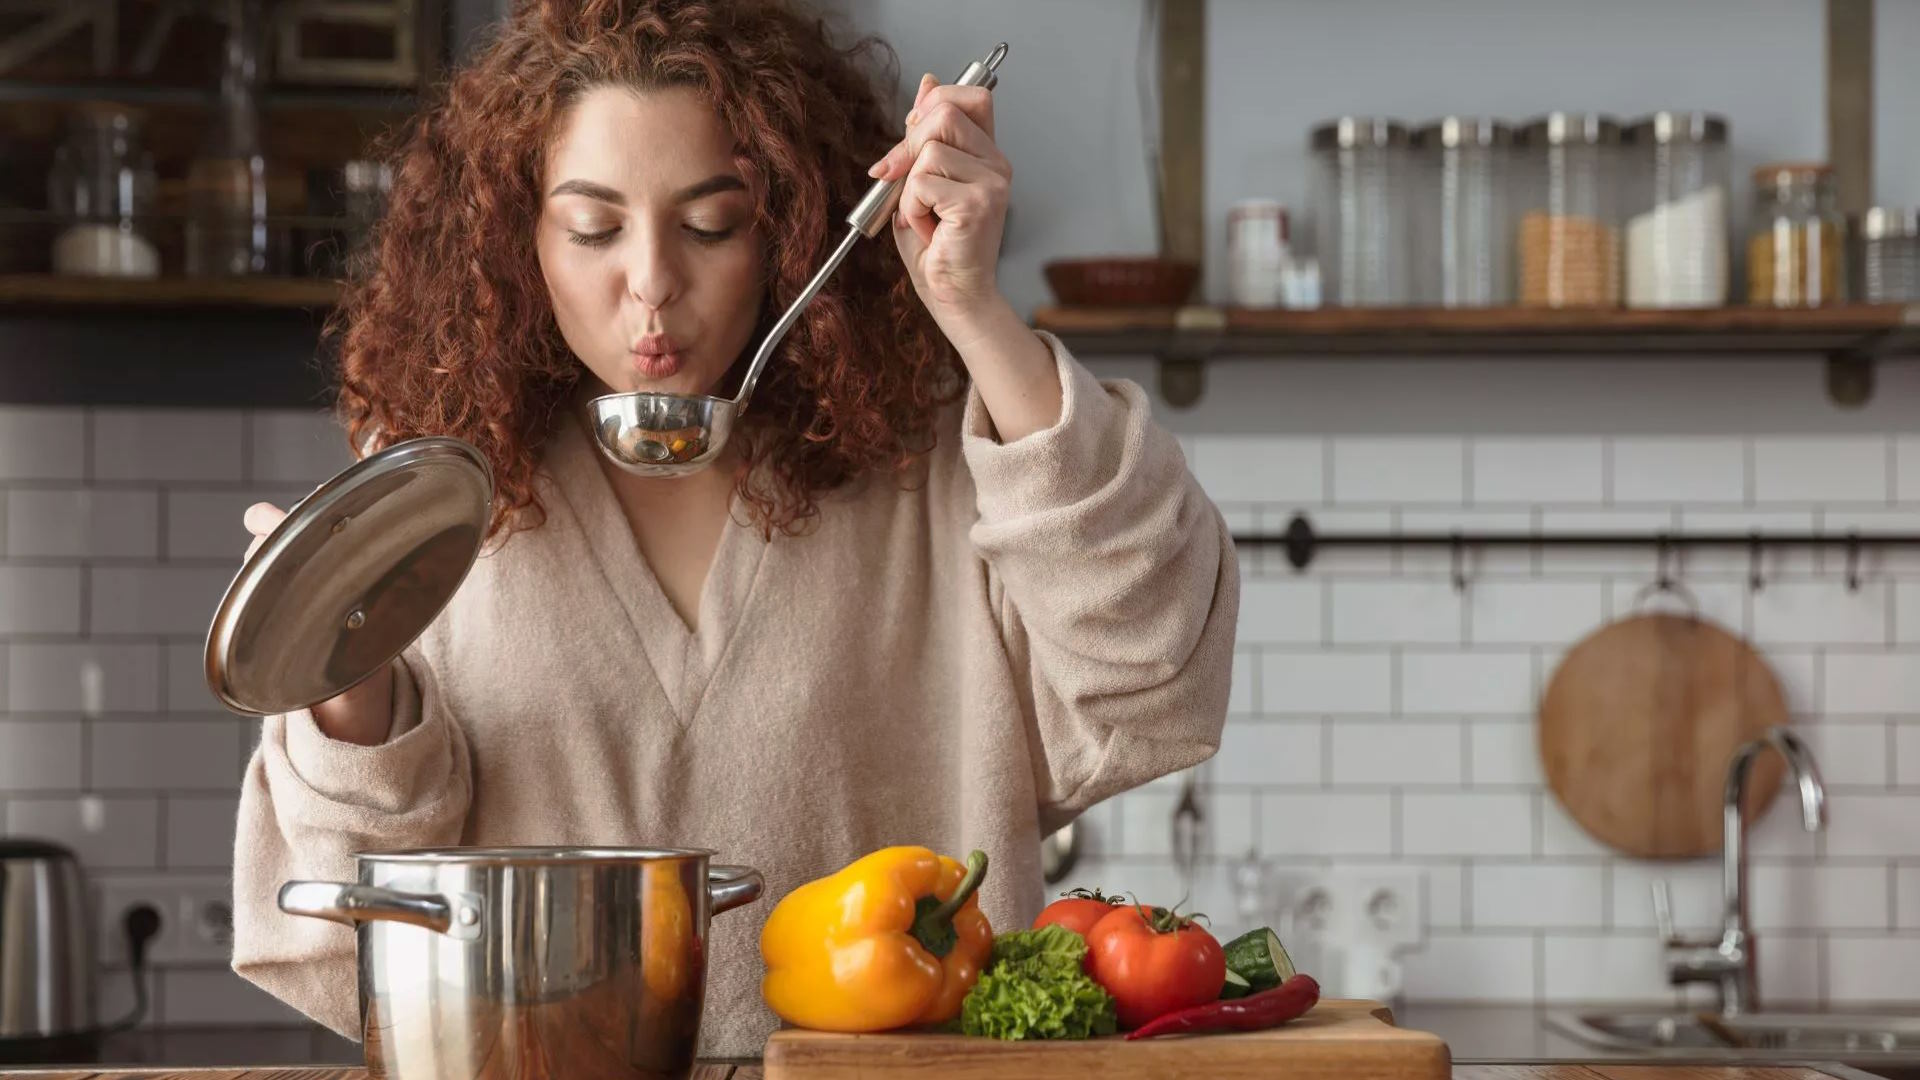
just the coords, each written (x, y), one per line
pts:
(523, 962)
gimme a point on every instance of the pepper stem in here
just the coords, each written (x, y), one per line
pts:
(933, 919)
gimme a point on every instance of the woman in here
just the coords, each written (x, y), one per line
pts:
(945, 589)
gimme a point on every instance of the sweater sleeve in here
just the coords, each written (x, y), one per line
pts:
(307, 805)
(1117, 587)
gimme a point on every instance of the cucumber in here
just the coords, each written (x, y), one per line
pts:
(1258, 957)
(1236, 986)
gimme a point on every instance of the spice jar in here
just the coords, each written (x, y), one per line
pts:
(1568, 238)
(1795, 237)
(1886, 263)
(1360, 211)
(102, 185)
(1462, 206)
(1677, 234)
(1257, 253)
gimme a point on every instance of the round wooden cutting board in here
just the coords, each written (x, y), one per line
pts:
(1639, 722)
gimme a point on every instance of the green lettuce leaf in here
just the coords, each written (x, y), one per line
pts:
(1034, 989)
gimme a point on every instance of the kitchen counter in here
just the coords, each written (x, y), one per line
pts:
(1461, 1071)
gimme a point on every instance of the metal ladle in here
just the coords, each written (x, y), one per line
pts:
(669, 435)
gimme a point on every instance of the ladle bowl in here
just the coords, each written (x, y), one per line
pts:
(673, 435)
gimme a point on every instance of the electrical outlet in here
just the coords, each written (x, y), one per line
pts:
(196, 918)
(1385, 900)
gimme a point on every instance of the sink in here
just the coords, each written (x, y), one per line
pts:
(1851, 1038)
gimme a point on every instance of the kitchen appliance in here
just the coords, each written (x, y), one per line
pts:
(48, 982)
(659, 434)
(1337, 1038)
(1639, 721)
(528, 962)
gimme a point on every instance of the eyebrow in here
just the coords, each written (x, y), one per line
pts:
(712, 185)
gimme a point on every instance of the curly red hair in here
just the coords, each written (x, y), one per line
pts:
(447, 329)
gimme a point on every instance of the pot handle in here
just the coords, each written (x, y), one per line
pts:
(458, 916)
(729, 887)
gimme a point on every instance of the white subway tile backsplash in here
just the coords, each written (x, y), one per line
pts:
(218, 996)
(1820, 470)
(1326, 683)
(1906, 468)
(1396, 612)
(1421, 752)
(1466, 823)
(1781, 832)
(1325, 823)
(82, 523)
(39, 443)
(1822, 613)
(1503, 752)
(200, 831)
(1537, 471)
(1259, 752)
(1603, 969)
(1280, 612)
(1870, 683)
(1694, 889)
(1738, 559)
(167, 444)
(1906, 895)
(1799, 673)
(1146, 822)
(1471, 967)
(1534, 895)
(1261, 469)
(1477, 683)
(1789, 971)
(1534, 612)
(1683, 470)
(1634, 556)
(1906, 754)
(89, 677)
(157, 599)
(1803, 896)
(163, 754)
(1868, 824)
(104, 834)
(1361, 559)
(1369, 470)
(187, 679)
(1240, 698)
(40, 755)
(203, 524)
(1475, 561)
(1872, 969)
(298, 447)
(39, 600)
(1847, 754)
(1906, 612)
(1872, 561)
(1560, 835)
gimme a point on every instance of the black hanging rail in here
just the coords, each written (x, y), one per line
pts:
(1302, 542)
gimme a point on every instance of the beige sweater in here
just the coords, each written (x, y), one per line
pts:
(968, 662)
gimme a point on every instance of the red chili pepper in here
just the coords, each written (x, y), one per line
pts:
(1266, 1009)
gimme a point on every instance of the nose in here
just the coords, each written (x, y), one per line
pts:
(654, 275)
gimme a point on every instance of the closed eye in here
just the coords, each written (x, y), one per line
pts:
(598, 239)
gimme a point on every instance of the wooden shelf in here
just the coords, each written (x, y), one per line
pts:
(50, 291)
(1197, 333)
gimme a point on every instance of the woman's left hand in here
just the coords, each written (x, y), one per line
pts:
(953, 206)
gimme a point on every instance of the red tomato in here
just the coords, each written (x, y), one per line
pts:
(1154, 962)
(1077, 911)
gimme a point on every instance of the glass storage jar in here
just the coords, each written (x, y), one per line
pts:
(1360, 204)
(1461, 217)
(1885, 268)
(1795, 238)
(1568, 240)
(102, 187)
(1677, 232)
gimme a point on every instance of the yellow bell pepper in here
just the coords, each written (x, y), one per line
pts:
(897, 938)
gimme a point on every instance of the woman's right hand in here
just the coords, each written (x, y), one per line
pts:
(364, 714)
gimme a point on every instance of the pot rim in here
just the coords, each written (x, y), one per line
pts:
(531, 855)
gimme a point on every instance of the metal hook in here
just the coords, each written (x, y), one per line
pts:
(1853, 562)
(1459, 563)
(1662, 576)
(1753, 561)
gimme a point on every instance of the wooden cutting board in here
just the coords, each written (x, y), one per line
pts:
(1637, 726)
(1339, 1039)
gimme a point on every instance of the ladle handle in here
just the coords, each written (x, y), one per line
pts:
(876, 208)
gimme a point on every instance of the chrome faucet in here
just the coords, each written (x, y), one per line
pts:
(1729, 962)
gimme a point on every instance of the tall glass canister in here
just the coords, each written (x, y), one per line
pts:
(1677, 233)
(1568, 240)
(1463, 244)
(1360, 211)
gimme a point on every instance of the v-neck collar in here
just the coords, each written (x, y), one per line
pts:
(683, 660)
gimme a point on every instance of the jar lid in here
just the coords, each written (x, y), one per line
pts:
(1353, 132)
(355, 572)
(1678, 127)
(1888, 222)
(1453, 132)
(1257, 208)
(1790, 172)
(1570, 129)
